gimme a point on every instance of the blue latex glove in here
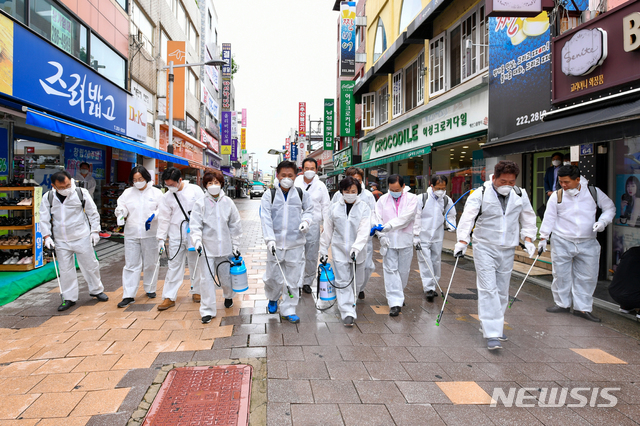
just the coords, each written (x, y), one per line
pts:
(147, 224)
(377, 228)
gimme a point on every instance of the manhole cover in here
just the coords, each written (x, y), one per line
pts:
(203, 396)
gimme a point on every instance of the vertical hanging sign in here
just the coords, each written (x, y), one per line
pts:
(302, 119)
(347, 38)
(176, 52)
(244, 117)
(328, 124)
(287, 148)
(234, 124)
(243, 139)
(234, 149)
(226, 56)
(347, 109)
(225, 133)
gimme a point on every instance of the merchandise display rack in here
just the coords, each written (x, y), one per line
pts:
(35, 204)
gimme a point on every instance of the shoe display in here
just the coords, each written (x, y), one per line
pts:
(395, 311)
(125, 302)
(66, 304)
(228, 303)
(166, 304)
(100, 296)
(348, 321)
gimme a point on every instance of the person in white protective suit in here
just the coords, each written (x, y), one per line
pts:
(366, 197)
(396, 214)
(286, 217)
(83, 176)
(435, 213)
(215, 224)
(346, 229)
(175, 209)
(70, 224)
(139, 206)
(501, 213)
(575, 255)
(320, 202)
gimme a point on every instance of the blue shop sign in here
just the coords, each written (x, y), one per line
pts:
(46, 77)
(586, 149)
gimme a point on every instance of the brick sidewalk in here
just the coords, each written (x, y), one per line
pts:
(93, 363)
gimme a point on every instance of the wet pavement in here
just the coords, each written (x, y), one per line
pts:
(94, 363)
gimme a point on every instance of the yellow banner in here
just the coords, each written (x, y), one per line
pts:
(225, 149)
(243, 138)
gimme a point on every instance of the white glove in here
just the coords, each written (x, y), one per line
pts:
(304, 227)
(542, 246)
(598, 226)
(449, 227)
(384, 245)
(460, 249)
(121, 211)
(198, 246)
(271, 247)
(48, 243)
(95, 238)
(530, 248)
(161, 246)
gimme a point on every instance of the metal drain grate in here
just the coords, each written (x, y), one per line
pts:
(203, 396)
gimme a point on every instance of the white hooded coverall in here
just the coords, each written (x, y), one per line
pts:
(495, 239)
(71, 234)
(575, 252)
(344, 233)
(88, 181)
(320, 202)
(429, 230)
(280, 223)
(217, 225)
(140, 245)
(170, 222)
(369, 267)
(398, 225)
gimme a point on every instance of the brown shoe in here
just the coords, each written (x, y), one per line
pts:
(166, 304)
(195, 298)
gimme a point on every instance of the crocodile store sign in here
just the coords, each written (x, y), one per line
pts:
(466, 116)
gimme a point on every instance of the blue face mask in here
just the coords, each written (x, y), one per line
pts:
(395, 195)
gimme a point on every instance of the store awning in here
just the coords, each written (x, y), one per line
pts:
(255, 182)
(335, 172)
(608, 123)
(396, 157)
(75, 130)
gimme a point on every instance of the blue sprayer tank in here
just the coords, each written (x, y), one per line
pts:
(238, 270)
(327, 292)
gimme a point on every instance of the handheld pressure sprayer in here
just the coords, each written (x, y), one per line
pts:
(237, 271)
(326, 285)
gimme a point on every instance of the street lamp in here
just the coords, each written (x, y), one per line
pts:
(170, 67)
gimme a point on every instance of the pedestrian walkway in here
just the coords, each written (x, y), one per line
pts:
(94, 363)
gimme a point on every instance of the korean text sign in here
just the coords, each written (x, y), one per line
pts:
(302, 118)
(243, 138)
(328, 124)
(347, 109)
(226, 56)
(74, 155)
(54, 81)
(347, 38)
(225, 133)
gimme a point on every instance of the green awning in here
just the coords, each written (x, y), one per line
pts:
(335, 172)
(396, 157)
(255, 182)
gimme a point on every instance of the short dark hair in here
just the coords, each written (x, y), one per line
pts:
(567, 157)
(209, 176)
(352, 171)
(505, 167)
(572, 171)
(435, 179)
(372, 184)
(142, 170)
(286, 164)
(84, 164)
(172, 173)
(395, 178)
(313, 160)
(60, 176)
(557, 154)
(347, 183)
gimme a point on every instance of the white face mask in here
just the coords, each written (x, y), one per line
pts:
(566, 163)
(396, 194)
(440, 193)
(556, 162)
(309, 174)
(504, 190)
(350, 198)
(573, 191)
(286, 183)
(139, 185)
(173, 189)
(213, 189)
(68, 191)
(84, 172)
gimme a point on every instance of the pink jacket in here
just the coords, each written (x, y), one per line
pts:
(398, 225)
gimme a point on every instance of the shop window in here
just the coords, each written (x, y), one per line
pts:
(14, 8)
(181, 16)
(380, 44)
(191, 126)
(410, 8)
(192, 84)
(368, 111)
(383, 105)
(57, 26)
(210, 20)
(141, 27)
(414, 83)
(397, 94)
(474, 40)
(123, 4)
(437, 64)
(107, 62)
(454, 57)
(193, 36)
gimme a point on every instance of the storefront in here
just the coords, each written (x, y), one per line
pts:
(187, 148)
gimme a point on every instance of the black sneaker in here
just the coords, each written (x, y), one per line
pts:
(348, 322)
(430, 294)
(100, 296)
(66, 304)
(395, 311)
(206, 319)
(151, 295)
(126, 301)
(361, 295)
(555, 309)
(228, 303)
(306, 289)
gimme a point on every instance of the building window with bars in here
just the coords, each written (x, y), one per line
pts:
(437, 64)
(383, 105)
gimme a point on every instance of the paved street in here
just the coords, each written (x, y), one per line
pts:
(94, 363)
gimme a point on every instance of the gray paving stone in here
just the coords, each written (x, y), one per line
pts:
(289, 391)
(366, 415)
(413, 414)
(347, 370)
(386, 370)
(278, 413)
(237, 353)
(285, 353)
(372, 392)
(358, 353)
(142, 377)
(277, 369)
(316, 414)
(334, 391)
(211, 355)
(165, 358)
(307, 370)
(462, 415)
(422, 392)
